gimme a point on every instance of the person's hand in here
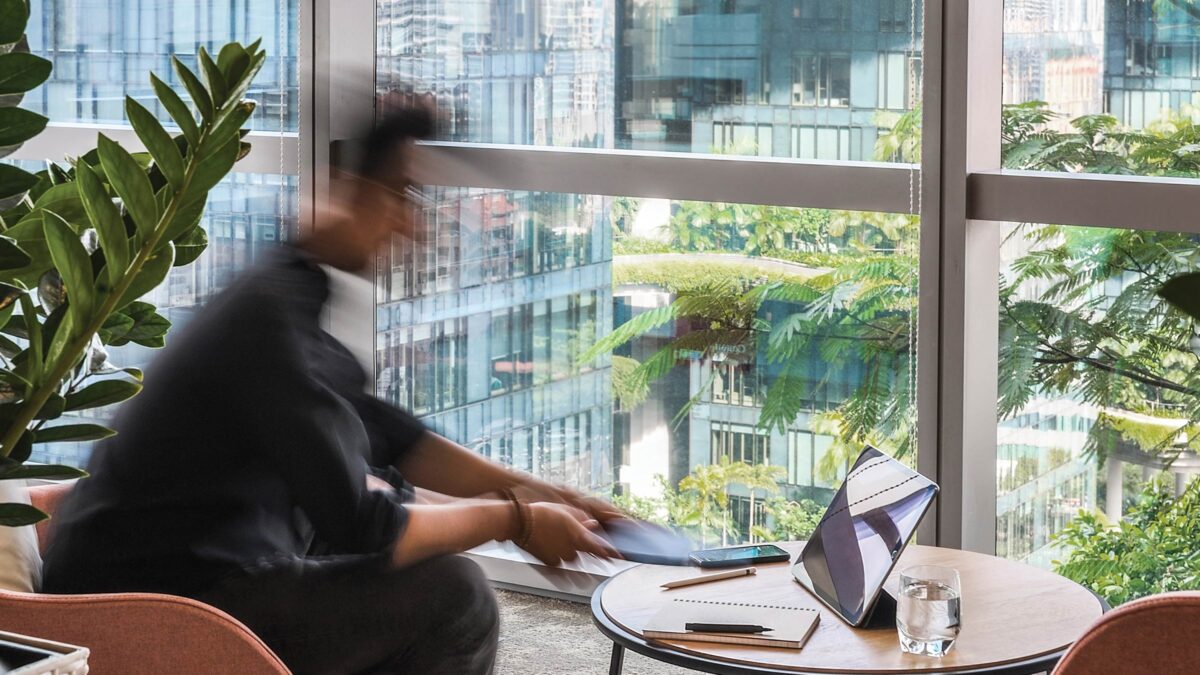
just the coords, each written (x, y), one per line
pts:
(377, 484)
(561, 532)
(537, 491)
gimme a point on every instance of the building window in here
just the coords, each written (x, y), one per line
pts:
(821, 80)
(742, 139)
(736, 384)
(825, 143)
(822, 15)
(739, 443)
(806, 453)
(894, 15)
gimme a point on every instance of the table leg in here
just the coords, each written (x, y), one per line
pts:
(617, 663)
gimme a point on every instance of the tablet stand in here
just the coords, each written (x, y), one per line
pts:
(883, 612)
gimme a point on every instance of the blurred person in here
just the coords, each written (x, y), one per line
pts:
(254, 446)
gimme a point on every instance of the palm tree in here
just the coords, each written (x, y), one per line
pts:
(757, 477)
(711, 488)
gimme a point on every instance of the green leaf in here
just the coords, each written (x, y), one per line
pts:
(52, 409)
(14, 16)
(189, 247)
(15, 181)
(21, 71)
(196, 90)
(131, 184)
(234, 61)
(107, 221)
(62, 199)
(18, 125)
(16, 471)
(231, 122)
(186, 217)
(217, 85)
(14, 380)
(72, 432)
(1184, 293)
(177, 109)
(17, 515)
(148, 324)
(102, 393)
(72, 261)
(115, 329)
(152, 274)
(23, 448)
(239, 88)
(11, 255)
(212, 169)
(156, 139)
(31, 237)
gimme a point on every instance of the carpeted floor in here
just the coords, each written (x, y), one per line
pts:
(540, 636)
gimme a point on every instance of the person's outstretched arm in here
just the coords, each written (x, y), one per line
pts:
(555, 533)
(440, 465)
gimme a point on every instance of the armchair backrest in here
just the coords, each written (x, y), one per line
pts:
(1152, 635)
(47, 498)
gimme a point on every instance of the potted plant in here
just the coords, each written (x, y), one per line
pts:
(81, 243)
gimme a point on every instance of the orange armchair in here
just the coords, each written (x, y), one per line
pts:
(1152, 635)
(136, 633)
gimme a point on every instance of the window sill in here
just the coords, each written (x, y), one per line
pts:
(511, 568)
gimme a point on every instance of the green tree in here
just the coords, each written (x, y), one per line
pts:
(1129, 351)
(794, 520)
(1152, 550)
(756, 477)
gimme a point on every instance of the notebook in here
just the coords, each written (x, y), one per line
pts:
(791, 625)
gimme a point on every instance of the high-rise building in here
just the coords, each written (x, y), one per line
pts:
(1054, 52)
(813, 79)
(1151, 60)
(477, 323)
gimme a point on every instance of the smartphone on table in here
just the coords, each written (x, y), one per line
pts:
(739, 555)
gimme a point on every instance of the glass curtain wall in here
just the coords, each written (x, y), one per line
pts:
(659, 351)
(815, 79)
(1096, 403)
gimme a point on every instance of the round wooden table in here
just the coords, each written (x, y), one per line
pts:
(1016, 620)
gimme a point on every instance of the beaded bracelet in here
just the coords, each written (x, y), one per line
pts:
(524, 518)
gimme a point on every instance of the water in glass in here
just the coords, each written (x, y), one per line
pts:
(929, 613)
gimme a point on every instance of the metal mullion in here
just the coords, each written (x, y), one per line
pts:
(1097, 200)
(968, 258)
(59, 141)
(344, 107)
(855, 186)
(929, 280)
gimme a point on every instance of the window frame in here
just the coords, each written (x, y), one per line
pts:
(959, 188)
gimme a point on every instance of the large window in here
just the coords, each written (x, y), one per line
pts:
(102, 51)
(633, 347)
(1112, 69)
(1097, 396)
(656, 75)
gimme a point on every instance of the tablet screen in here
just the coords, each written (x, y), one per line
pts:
(871, 519)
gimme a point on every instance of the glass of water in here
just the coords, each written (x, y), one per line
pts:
(929, 611)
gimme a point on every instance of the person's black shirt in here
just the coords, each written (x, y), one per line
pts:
(251, 415)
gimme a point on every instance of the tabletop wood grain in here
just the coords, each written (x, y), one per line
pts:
(1010, 612)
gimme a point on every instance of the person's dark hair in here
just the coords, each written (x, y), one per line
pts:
(388, 136)
(374, 158)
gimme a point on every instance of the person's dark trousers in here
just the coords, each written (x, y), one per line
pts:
(356, 614)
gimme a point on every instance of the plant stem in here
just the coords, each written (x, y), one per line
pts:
(71, 354)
